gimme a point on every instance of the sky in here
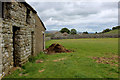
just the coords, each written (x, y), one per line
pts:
(91, 16)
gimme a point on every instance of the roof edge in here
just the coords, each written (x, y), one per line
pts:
(25, 3)
(41, 22)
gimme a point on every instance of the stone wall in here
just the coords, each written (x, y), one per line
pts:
(39, 43)
(16, 15)
(0, 47)
(0, 38)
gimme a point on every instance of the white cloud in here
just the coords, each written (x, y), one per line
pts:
(72, 0)
(83, 16)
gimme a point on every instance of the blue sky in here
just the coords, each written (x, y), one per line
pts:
(86, 15)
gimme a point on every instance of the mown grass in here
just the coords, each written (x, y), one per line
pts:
(78, 64)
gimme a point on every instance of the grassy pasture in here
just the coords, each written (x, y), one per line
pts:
(78, 64)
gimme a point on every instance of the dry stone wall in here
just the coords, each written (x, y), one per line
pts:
(0, 39)
(0, 47)
(16, 46)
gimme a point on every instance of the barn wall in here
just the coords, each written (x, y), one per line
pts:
(0, 47)
(15, 16)
(39, 44)
(0, 39)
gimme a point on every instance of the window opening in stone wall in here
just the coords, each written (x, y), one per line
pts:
(28, 16)
(7, 10)
(2, 9)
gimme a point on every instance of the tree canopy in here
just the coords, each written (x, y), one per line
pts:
(73, 31)
(117, 27)
(106, 30)
(85, 32)
(63, 30)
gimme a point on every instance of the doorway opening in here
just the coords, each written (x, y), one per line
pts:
(16, 46)
(32, 43)
(43, 41)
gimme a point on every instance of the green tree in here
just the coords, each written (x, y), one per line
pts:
(65, 30)
(73, 31)
(118, 27)
(114, 28)
(85, 32)
(106, 30)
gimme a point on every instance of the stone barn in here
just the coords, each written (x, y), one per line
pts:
(21, 34)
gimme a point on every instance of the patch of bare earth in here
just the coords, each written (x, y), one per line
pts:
(56, 48)
(113, 60)
(57, 60)
(41, 70)
(23, 74)
(39, 61)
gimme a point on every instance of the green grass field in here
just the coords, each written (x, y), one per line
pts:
(78, 64)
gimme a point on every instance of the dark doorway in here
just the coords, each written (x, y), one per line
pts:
(16, 45)
(32, 43)
(43, 41)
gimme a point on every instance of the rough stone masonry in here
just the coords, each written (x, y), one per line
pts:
(18, 34)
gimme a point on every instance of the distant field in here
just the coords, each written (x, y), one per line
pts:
(79, 64)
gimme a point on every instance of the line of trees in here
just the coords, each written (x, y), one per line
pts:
(72, 31)
(85, 32)
(117, 27)
(108, 30)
